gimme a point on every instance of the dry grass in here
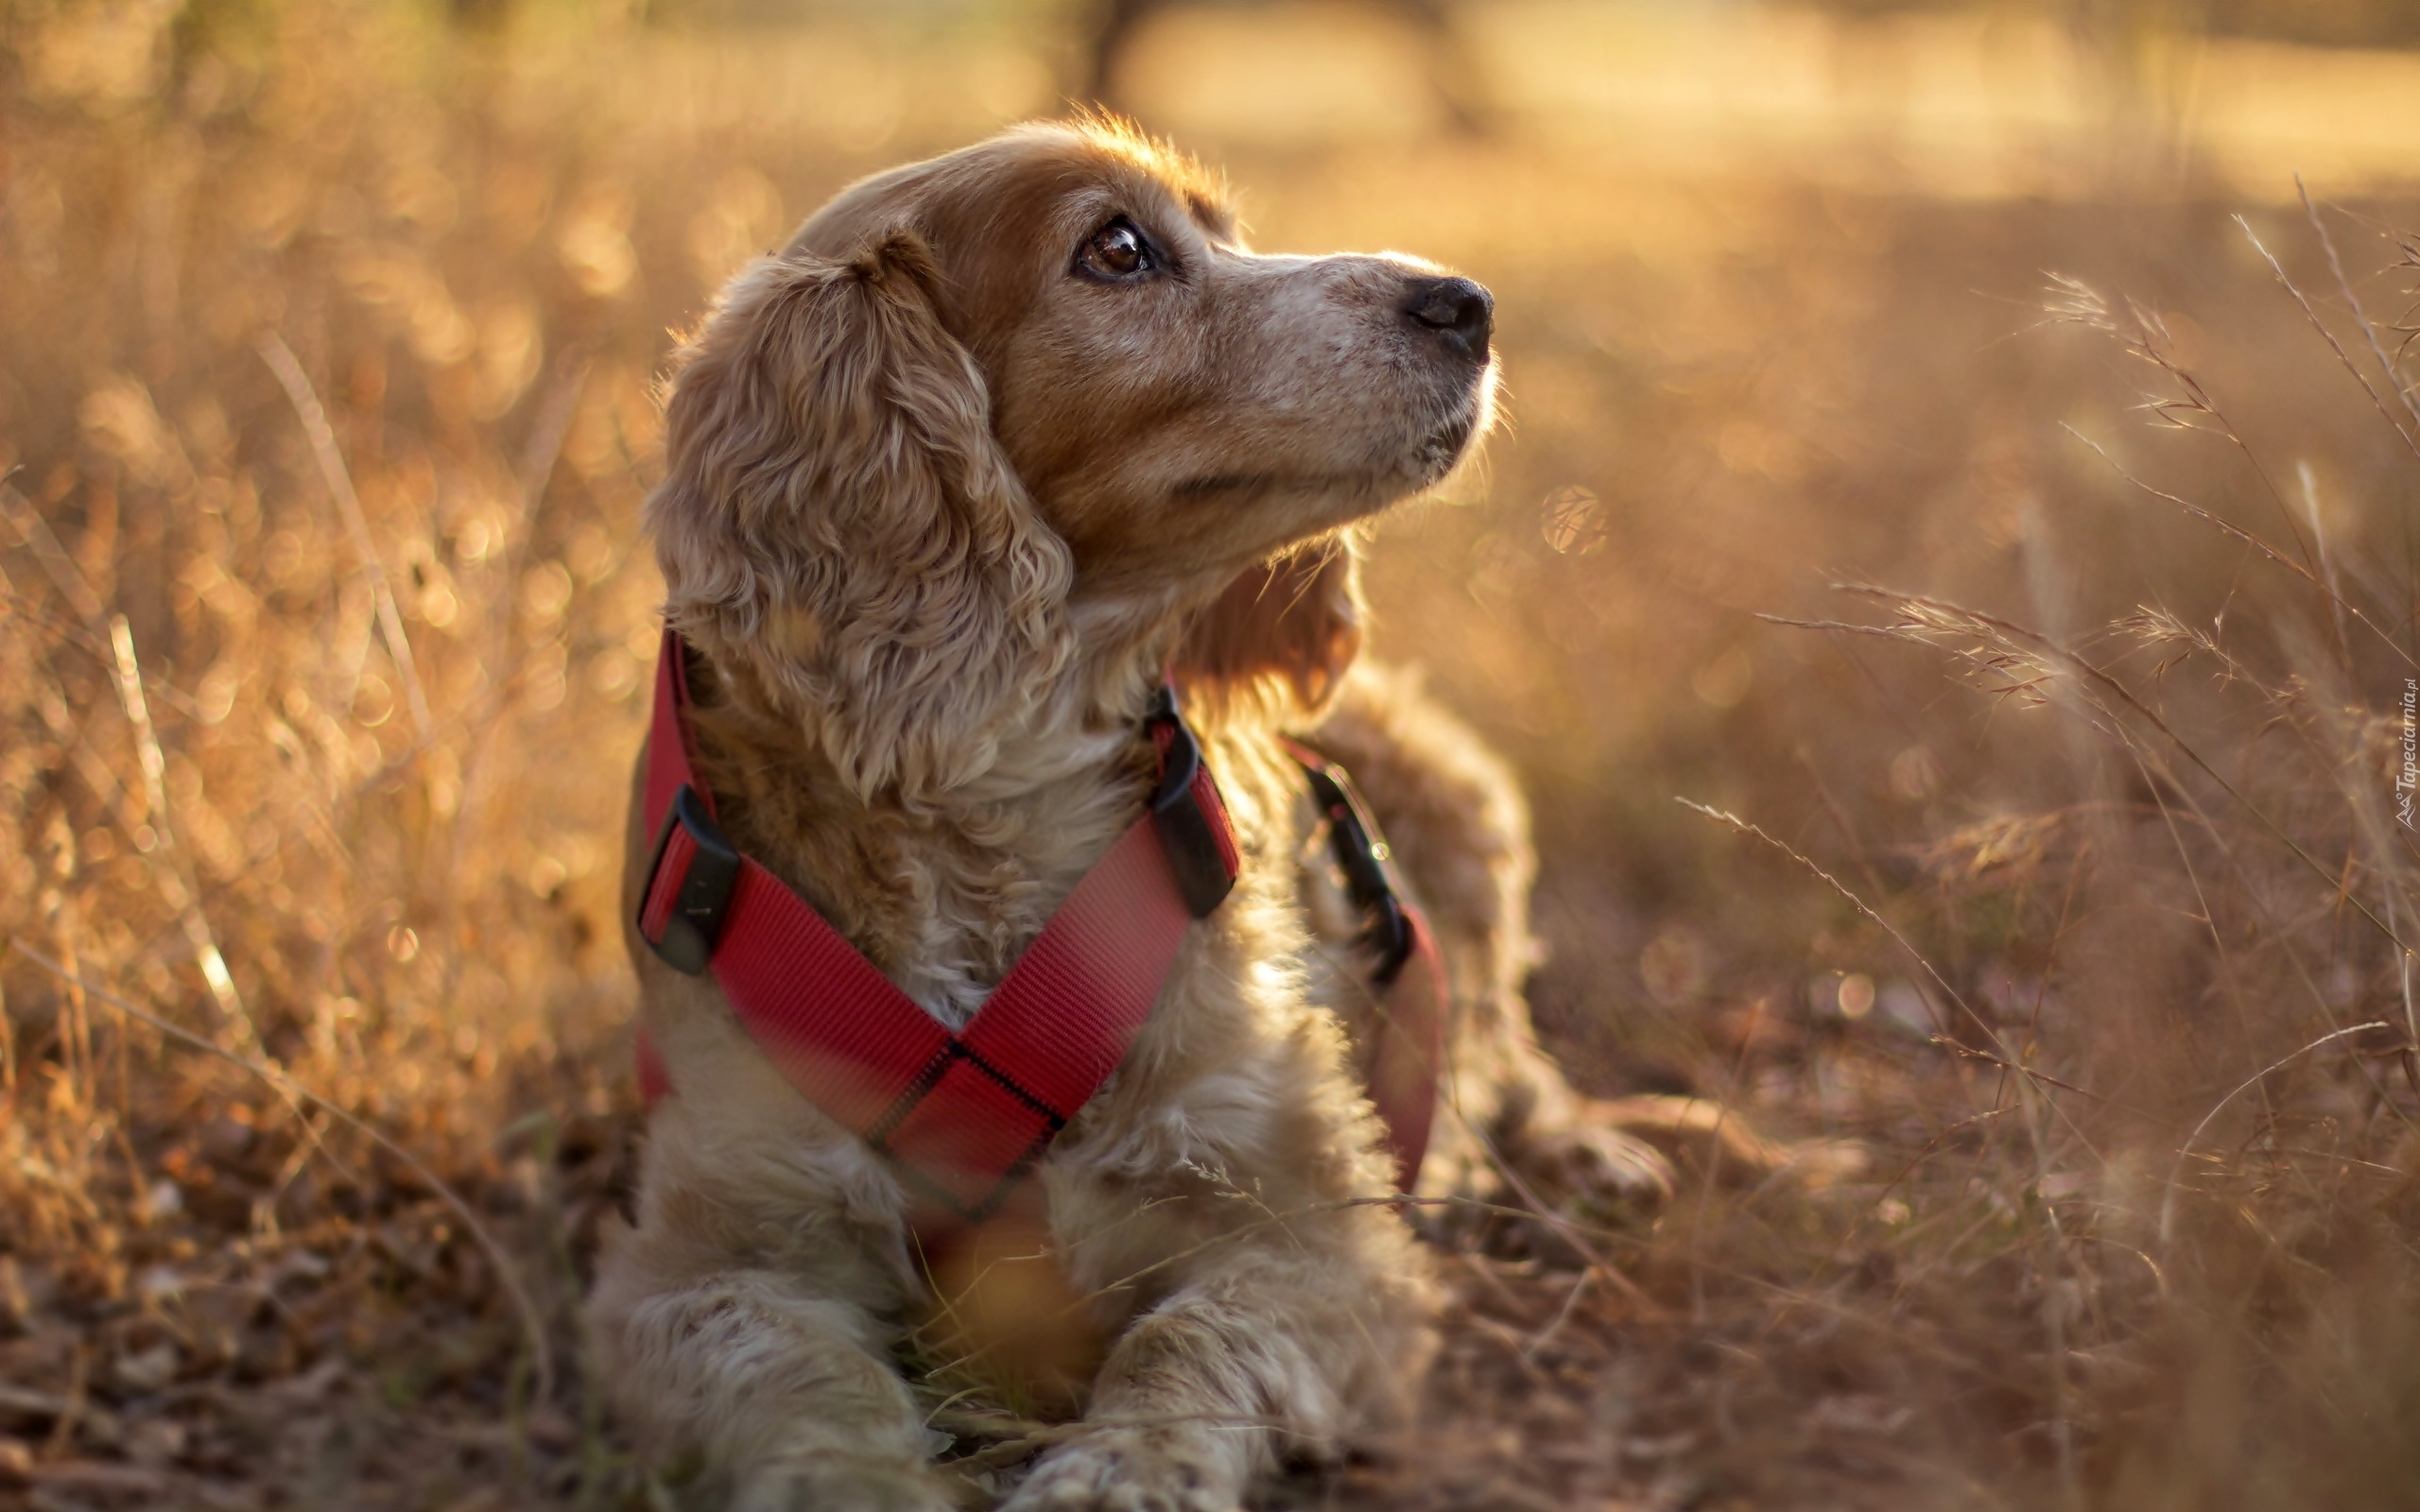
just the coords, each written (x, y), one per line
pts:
(2066, 872)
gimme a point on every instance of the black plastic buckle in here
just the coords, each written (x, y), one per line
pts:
(1185, 832)
(1362, 855)
(689, 941)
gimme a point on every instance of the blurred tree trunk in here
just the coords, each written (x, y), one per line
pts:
(486, 18)
(1453, 71)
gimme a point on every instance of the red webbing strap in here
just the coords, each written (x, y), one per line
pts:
(1411, 1052)
(1073, 1002)
(669, 765)
(964, 1115)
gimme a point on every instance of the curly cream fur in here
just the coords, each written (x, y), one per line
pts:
(840, 524)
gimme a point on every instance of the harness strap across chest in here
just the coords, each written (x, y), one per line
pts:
(965, 1116)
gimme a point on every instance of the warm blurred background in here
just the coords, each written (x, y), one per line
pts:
(327, 336)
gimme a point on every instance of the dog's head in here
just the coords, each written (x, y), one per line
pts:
(987, 406)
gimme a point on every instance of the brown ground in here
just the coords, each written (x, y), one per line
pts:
(2114, 799)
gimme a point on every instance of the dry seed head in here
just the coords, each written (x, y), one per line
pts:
(2072, 302)
(2160, 629)
(2143, 333)
(2006, 841)
(2374, 746)
(2406, 247)
(2152, 626)
(2021, 670)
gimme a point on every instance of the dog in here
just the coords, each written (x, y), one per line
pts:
(995, 446)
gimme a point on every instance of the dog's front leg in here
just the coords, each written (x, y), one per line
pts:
(741, 1324)
(783, 1395)
(1288, 1336)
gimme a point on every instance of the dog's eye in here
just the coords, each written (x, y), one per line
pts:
(1116, 250)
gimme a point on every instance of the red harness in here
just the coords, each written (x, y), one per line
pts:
(964, 1117)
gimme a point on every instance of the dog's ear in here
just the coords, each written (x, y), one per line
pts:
(1285, 631)
(836, 520)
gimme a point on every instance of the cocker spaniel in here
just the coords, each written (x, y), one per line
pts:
(952, 483)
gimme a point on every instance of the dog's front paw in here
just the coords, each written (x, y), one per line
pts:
(835, 1482)
(1595, 1165)
(1714, 1142)
(1537, 1181)
(1128, 1471)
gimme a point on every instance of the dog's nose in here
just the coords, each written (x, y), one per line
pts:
(1457, 309)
